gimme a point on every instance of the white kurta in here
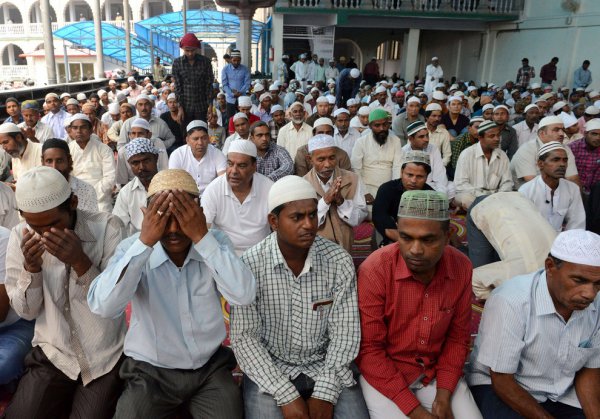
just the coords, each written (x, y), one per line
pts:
(124, 173)
(564, 206)
(85, 193)
(291, 139)
(211, 165)
(132, 197)
(352, 211)
(348, 141)
(43, 132)
(32, 157)
(95, 164)
(432, 76)
(524, 134)
(441, 139)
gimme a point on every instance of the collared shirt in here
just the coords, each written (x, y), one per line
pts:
(263, 114)
(409, 328)
(275, 129)
(352, 211)
(285, 332)
(176, 319)
(564, 205)
(56, 121)
(477, 176)
(331, 73)
(211, 165)
(193, 82)
(587, 162)
(9, 216)
(158, 128)
(348, 141)
(375, 163)
(318, 73)
(123, 170)
(136, 91)
(74, 339)
(441, 139)
(437, 178)
(244, 222)
(521, 333)
(43, 132)
(388, 106)
(233, 78)
(292, 139)
(131, 198)
(85, 193)
(20, 119)
(460, 143)
(524, 162)
(582, 78)
(399, 124)
(32, 157)
(95, 164)
(524, 133)
(509, 142)
(276, 163)
(524, 75)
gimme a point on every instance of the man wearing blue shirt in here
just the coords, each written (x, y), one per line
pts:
(583, 76)
(174, 272)
(235, 80)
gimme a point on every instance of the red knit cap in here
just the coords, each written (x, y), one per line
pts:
(189, 40)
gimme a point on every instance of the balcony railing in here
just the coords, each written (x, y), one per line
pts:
(502, 7)
(37, 29)
(13, 72)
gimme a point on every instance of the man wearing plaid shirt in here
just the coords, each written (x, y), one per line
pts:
(297, 341)
(525, 74)
(272, 160)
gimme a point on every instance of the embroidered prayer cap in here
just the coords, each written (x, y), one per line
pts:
(51, 95)
(276, 108)
(236, 54)
(487, 106)
(424, 205)
(577, 246)
(244, 102)
(415, 127)
(476, 119)
(355, 73)
(433, 107)
(141, 123)
(290, 188)
(591, 125)
(196, 124)
(9, 128)
(189, 40)
(486, 126)
(416, 156)
(377, 114)
(72, 101)
(30, 104)
(246, 147)
(320, 141)
(323, 121)
(171, 179)
(239, 115)
(340, 111)
(41, 189)
(550, 146)
(140, 146)
(592, 110)
(550, 120)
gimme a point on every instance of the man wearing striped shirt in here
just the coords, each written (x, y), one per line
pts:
(537, 354)
(297, 341)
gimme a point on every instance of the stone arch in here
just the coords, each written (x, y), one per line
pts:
(9, 12)
(10, 55)
(35, 13)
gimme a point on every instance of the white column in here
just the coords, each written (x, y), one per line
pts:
(107, 11)
(73, 18)
(244, 38)
(6, 13)
(127, 18)
(99, 50)
(11, 54)
(412, 54)
(48, 42)
(276, 41)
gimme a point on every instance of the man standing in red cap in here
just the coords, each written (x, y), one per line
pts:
(193, 81)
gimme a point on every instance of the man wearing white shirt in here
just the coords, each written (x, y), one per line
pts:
(558, 199)
(528, 128)
(93, 161)
(341, 193)
(483, 168)
(24, 153)
(159, 128)
(381, 100)
(295, 133)
(198, 157)
(55, 118)
(32, 128)
(237, 202)
(241, 125)
(438, 134)
(433, 74)
(345, 137)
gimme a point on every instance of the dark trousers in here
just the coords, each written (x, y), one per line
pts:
(45, 392)
(207, 392)
(492, 407)
(232, 109)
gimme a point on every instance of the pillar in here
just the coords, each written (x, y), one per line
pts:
(244, 38)
(48, 41)
(277, 41)
(99, 50)
(11, 54)
(6, 13)
(127, 19)
(410, 69)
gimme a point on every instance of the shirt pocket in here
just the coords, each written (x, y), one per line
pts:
(578, 357)
(441, 322)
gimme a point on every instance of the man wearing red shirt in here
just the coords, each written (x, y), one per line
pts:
(414, 300)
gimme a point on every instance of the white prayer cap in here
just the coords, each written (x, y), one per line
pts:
(239, 115)
(576, 246)
(331, 99)
(471, 88)
(276, 108)
(113, 109)
(433, 107)
(434, 58)
(64, 95)
(130, 78)
(258, 88)
(79, 117)
(264, 96)
(244, 101)
(72, 101)
(246, 147)
(140, 123)
(322, 99)
(476, 119)
(273, 87)
(171, 96)
(314, 89)
(50, 96)
(502, 107)
(487, 106)
(415, 127)
(525, 94)
(568, 119)
(81, 96)
(111, 82)
(593, 93)
(332, 81)
(550, 120)
(101, 92)
(354, 73)
(437, 95)
(142, 97)
(277, 84)
(320, 141)
(580, 89)
(146, 78)
(451, 98)
(550, 146)
(195, 124)
(380, 89)
(323, 121)
(351, 102)
(592, 110)
(9, 127)
(413, 99)
(459, 94)
(588, 89)
(364, 111)
(293, 105)
(340, 111)
(288, 189)
(535, 85)
(558, 106)
(221, 94)
(41, 189)
(531, 106)
(139, 146)
(438, 85)
(591, 125)
(454, 87)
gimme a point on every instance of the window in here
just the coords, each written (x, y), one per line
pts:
(394, 50)
(380, 51)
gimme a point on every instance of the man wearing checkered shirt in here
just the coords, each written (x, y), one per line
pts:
(297, 341)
